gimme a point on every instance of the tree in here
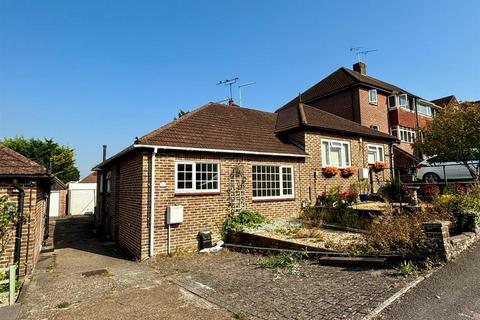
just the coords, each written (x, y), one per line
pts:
(45, 151)
(180, 114)
(454, 134)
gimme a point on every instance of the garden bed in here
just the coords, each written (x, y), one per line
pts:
(303, 236)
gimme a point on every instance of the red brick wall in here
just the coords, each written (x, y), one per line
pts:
(33, 227)
(373, 114)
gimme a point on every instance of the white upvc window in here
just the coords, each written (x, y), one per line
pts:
(372, 96)
(272, 182)
(197, 177)
(336, 153)
(403, 101)
(424, 109)
(404, 134)
(376, 153)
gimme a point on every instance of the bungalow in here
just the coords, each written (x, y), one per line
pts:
(27, 185)
(223, 158)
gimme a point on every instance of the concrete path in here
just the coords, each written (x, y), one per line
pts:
(453, 292)
(85, 278)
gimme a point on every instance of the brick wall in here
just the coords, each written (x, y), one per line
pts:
(371, 114)
(33, 227)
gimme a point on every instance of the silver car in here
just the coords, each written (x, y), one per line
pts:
(433, 170)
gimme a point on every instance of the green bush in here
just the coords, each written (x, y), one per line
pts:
(243, 220)
(457, 207)
(392, 191)
(281, 261)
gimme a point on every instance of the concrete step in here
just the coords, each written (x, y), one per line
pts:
(364, 262)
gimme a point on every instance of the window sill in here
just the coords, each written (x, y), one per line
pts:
(273, 200)
(373, 104)
(186, 194)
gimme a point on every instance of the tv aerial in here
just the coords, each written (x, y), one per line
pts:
(228, 82)
(359, 52)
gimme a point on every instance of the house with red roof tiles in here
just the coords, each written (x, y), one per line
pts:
(156, 195)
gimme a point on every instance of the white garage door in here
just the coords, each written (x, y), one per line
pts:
(81, 202)
(54, 204)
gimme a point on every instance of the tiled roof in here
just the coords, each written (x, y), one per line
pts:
(302, 115)
(91, 178)
(341, 79)
(445, 101)
(222, 127)
(13, 163)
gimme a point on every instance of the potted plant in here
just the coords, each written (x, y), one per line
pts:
(378, 166)
(348, 172)
(329, 172)
(362, 186)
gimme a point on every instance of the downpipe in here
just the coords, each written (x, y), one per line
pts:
(18, 232)
(152, 202)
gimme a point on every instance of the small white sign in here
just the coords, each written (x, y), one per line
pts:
(163, 184)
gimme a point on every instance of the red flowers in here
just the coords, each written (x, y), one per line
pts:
(378, 166)
(348, 172)
(330, 171)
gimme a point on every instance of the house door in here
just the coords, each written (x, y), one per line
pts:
(54, 204)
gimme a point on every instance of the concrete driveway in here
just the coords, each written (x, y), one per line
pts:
(88, 279)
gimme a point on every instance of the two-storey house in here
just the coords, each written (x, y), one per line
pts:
(354, 95)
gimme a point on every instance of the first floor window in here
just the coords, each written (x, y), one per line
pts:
(336, 153)
(424, 109)
(372, 96)
(271, 181)
(197, 177)
(403, 101)
(375, 153)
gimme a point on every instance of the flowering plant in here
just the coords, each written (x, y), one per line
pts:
(330, 171)
(349, 196)
(378, 166)
(348, 172)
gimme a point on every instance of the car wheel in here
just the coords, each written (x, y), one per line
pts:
(431, 178)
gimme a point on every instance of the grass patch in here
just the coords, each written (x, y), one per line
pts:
(407, 268)
(287, 231)
(62, 305)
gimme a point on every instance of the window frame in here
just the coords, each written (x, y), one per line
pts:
(377, 147)
(280, 170)
(194, 189)
(406, 107)
(108, 182)
(370, 101)
(408, 132)
(426, 106)
(324, 162)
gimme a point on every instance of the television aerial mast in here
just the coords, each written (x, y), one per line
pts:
(240, 89)
(359, 52)
(229, 82)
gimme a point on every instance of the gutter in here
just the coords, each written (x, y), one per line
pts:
(18, 238)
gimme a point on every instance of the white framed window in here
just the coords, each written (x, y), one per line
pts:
(403, 101)
(108, 179)
(197, 177)
(404, 134)
(424, 109)
(376, 153)
(272, 182)
(374, 127)
(372, 96)
(336, 153)
(101, 183)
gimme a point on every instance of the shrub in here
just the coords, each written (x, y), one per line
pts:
(392, 190)
(456, 207)
(401, 233)
(309, 233)
(243, 220)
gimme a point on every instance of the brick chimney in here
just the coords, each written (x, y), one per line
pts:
(360, 67)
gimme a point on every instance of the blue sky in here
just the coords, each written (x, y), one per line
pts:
(87, 73)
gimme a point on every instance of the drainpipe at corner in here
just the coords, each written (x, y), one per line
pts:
(18, 238)
(152, 203)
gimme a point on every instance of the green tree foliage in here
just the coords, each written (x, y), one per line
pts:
(454, 134)
(44, 151)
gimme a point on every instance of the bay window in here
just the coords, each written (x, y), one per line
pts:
(272, 181)
(424, 109)
(404, 134)
(197, 177)
(336, 153)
